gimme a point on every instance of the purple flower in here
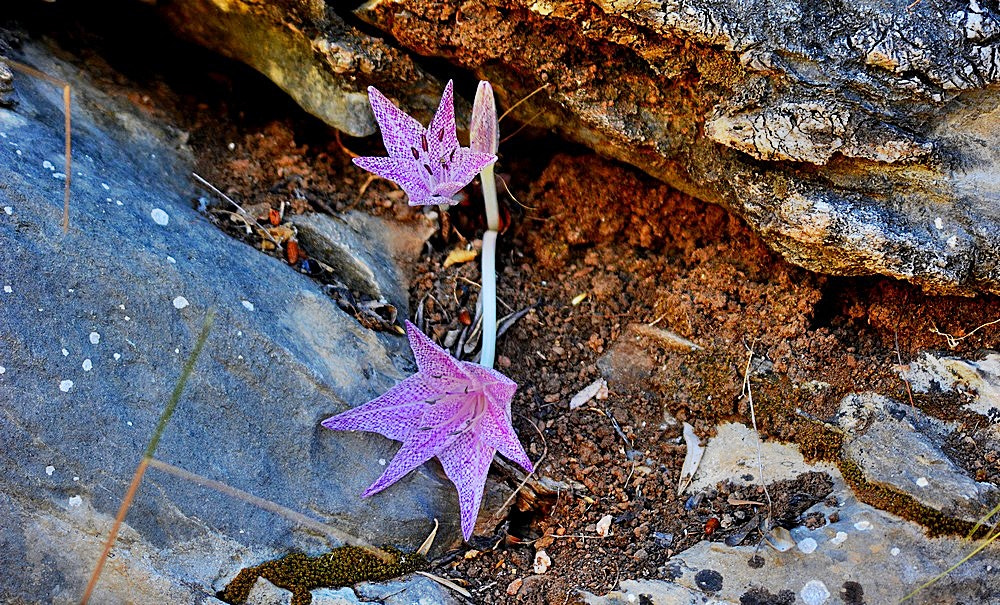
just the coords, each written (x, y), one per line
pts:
(484, 128)
(427, 163)
(455, 410)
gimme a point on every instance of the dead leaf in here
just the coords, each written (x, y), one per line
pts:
(459, 256)
(691, 459)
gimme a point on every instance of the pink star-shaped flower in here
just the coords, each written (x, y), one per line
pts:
(427, 163)
(455, 410)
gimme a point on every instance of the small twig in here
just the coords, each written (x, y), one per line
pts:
(753, 418)
(529, 95)
(545, 450)
(243, 212)
(332, 533)
(336, 137)
(899, 358)
(953, 341)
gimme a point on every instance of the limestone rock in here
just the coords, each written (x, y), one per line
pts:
(95, 327)
(265, 593)
(900, 447)
(855, 140)
(861, 555)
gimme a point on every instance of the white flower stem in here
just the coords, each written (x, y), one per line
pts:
(488, 294)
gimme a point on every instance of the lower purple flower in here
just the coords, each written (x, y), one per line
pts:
(455, 410)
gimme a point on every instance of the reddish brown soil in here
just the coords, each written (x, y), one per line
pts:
(643, 254)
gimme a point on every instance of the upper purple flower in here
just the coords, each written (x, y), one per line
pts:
(455, 410)
(427, 163)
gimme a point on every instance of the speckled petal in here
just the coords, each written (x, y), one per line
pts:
(484, 129)
(432, 359)
(406, 173)
(400, 132)
(394, 414)
(497, 431)
(441, 131)
(420, 446)
(466, 461)
(467, 164)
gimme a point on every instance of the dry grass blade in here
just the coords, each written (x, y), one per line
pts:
(168, 411)
(243, 213)
(67, 93)
(447, 584)
(333, 533)
(753, 419)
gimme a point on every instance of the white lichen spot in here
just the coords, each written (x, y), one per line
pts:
(159, 217)
(65, 352)
(938, 223)
(76, 478)
(807, 545)
(894, 552)
(105, 185)
(75, 501)
(814, 593)
(177, 351)
(248, 305)
(87, 365)
(117, 356)
(180, 302)
(95, 338)
(862, 526)
(3, 370)
(119, 202)
(9, 210)
(542, 562)
(49, 470)
(48, 165)
(65, 386)
(953, 241)
(604, 526)
(129, 423)
(922, 482)
(840, 538)
(381, 461)
(8, 289)
(59, 176)
(171, 259)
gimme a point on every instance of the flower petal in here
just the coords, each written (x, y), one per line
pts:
(441, 131)
(394, 414)
(405, 172)
(484, 128)
(400, 132)
(498, 387)
(432, 359)
(467, 164)
(419, 447)
(497, 431)
(466, 461)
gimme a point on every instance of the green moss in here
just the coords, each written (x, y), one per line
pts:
(301, 573)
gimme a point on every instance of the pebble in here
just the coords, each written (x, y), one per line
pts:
(160, 217)
(542, 562)
(604, 526)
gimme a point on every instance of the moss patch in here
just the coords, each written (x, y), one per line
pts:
(300, 573)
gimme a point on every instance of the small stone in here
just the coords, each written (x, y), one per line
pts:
(604, 526)
(814, 593)
(542, 562)
(514, 587)
(266, 593)
(159, 217)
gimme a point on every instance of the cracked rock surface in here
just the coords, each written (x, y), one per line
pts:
(855, 139)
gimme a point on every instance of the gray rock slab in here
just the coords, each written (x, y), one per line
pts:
(330, 596)
(900, 447)
(865, 556)
(409, 590)
(979, 380)
(95, 326)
